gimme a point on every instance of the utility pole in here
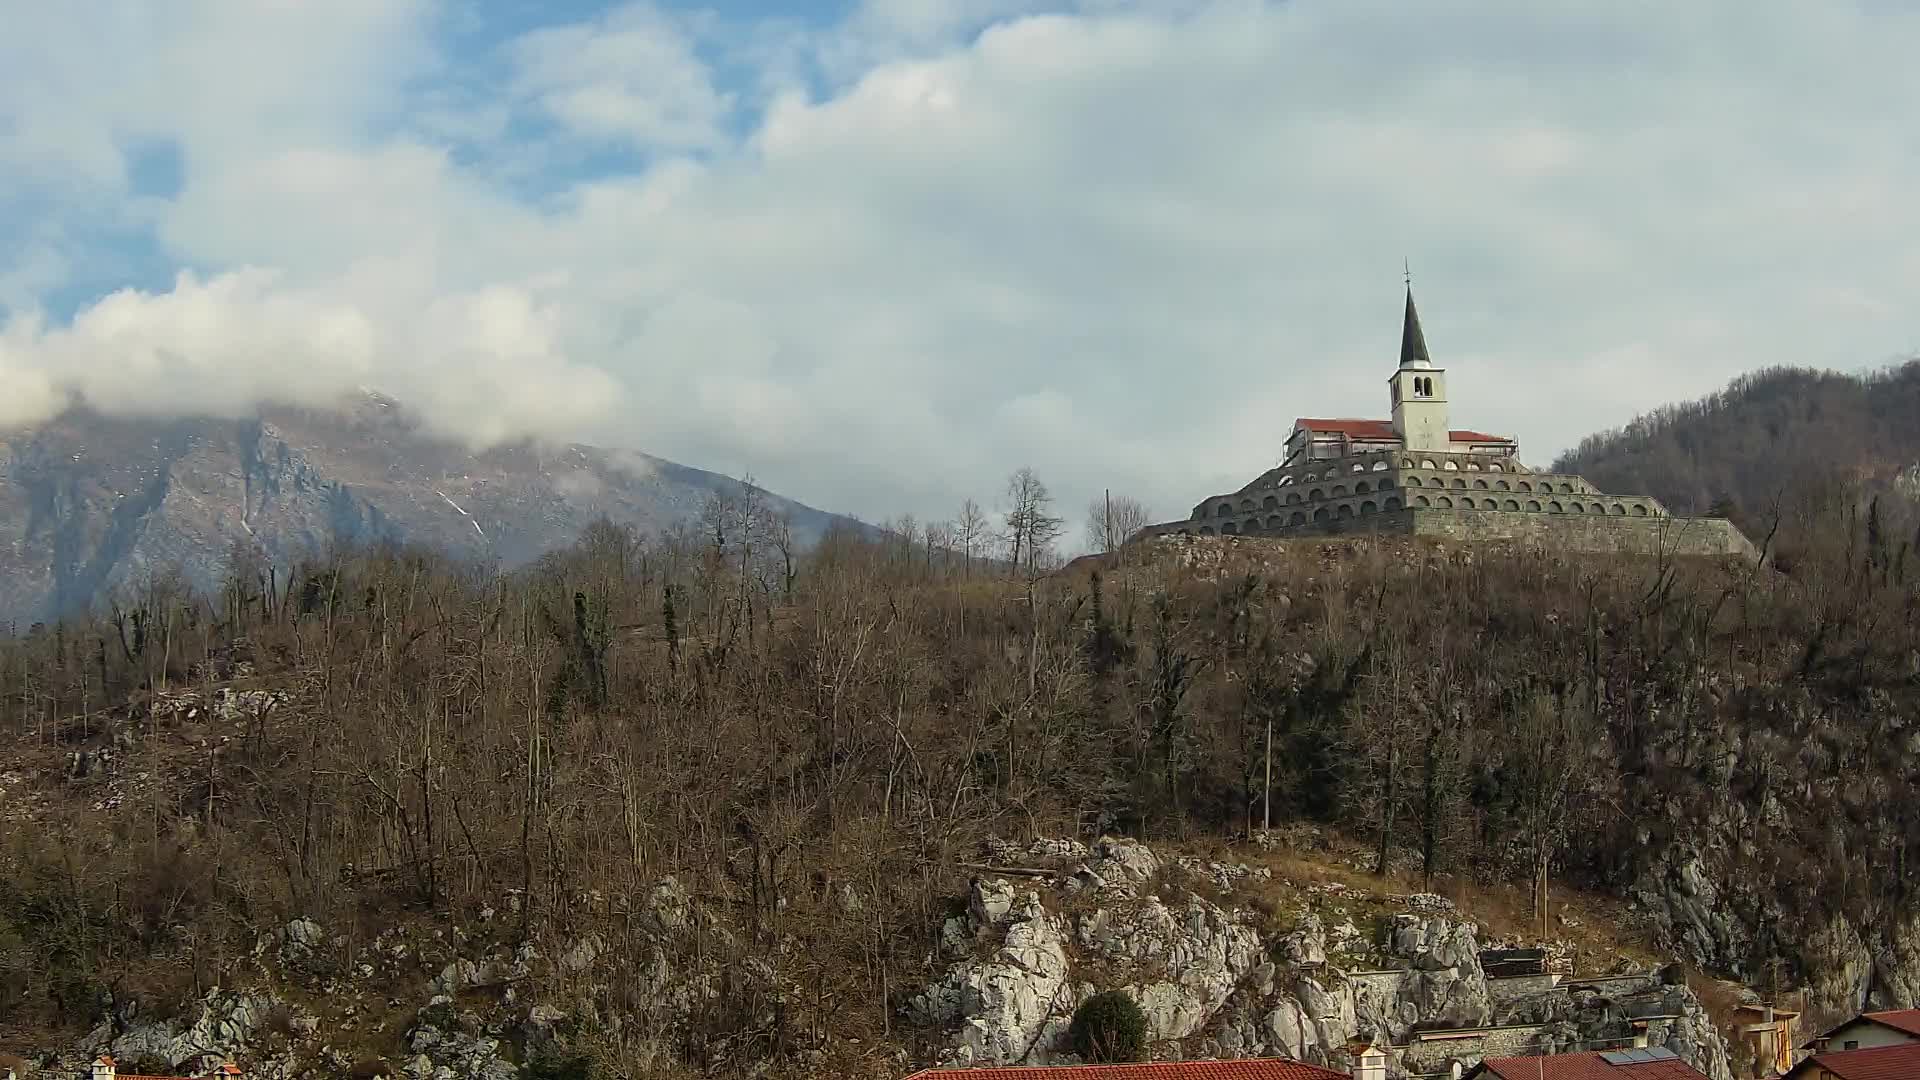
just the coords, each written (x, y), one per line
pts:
(1266, 797)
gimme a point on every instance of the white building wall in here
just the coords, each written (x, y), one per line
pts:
(1869, 1035)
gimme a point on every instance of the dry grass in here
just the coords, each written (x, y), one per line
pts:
(1600, 929)
(1717, 996)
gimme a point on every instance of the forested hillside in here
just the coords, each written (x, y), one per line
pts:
(812, 750)
(1773, 435)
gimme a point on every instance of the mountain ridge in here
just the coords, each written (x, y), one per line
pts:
(92, 503)
(1766, 433)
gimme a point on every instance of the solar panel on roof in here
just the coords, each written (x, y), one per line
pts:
(1618, 1057)
(1660, 1053)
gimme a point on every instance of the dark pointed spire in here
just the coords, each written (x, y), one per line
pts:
(1413, 344)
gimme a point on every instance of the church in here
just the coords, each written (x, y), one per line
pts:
(1417, 474)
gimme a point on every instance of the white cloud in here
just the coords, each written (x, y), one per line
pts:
(633, 76)
(1124, 243)
(487, 364)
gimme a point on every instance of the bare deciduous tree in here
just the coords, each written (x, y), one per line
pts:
(1031, 526)
(970, 530)
(1112, 520)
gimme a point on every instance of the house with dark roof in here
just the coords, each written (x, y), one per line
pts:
(1868, 1030)
(1642, 1063)
(1898, 1061)
(1414, 473)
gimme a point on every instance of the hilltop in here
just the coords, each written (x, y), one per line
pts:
(1772, 436)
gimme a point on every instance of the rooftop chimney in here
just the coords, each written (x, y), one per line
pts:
(1368, 1062)
(103, 1068)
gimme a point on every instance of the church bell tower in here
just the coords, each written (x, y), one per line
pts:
(1419, 390)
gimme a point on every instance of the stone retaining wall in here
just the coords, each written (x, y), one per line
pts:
(1505, 990)
(1559, 532)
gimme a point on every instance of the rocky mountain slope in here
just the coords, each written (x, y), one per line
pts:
(91, 503)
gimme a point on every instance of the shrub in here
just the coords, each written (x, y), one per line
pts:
(554, 1065)
(1109, 1027)
(437, 1014)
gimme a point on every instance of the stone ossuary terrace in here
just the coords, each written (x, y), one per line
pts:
(1416, 475)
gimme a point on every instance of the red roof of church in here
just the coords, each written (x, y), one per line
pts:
(1383, 429)
(1900, 1062)
(1352, 429)
(1249, 1069)
(1591, 1065)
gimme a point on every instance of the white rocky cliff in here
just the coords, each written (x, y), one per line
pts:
(1217, 977)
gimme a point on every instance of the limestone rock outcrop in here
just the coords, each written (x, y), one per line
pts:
(1014, 1003)
(221, 1024)
(1220, 976)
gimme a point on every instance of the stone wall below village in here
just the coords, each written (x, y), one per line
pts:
(1561, 532)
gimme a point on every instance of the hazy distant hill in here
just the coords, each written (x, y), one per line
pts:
(89, 502)
(1767, 432)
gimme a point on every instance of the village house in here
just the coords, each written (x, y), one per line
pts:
(105, 1068)
(1640, 1063)
(1900, 1061)
(1369, 1063)
(1869, 1030)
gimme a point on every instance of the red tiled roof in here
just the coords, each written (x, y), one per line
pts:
(1352, 429)
(1907, 1020)
(104, 1059)
(1587, 1066)
(1383, 429)
(1250, 1069)
(1900, 1062)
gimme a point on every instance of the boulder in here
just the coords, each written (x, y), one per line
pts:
(1200, 953)
(1122, 862)
(1014, 1005)
(668, 908)
(1306, 944)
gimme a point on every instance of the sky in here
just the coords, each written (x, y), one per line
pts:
(879, 253)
